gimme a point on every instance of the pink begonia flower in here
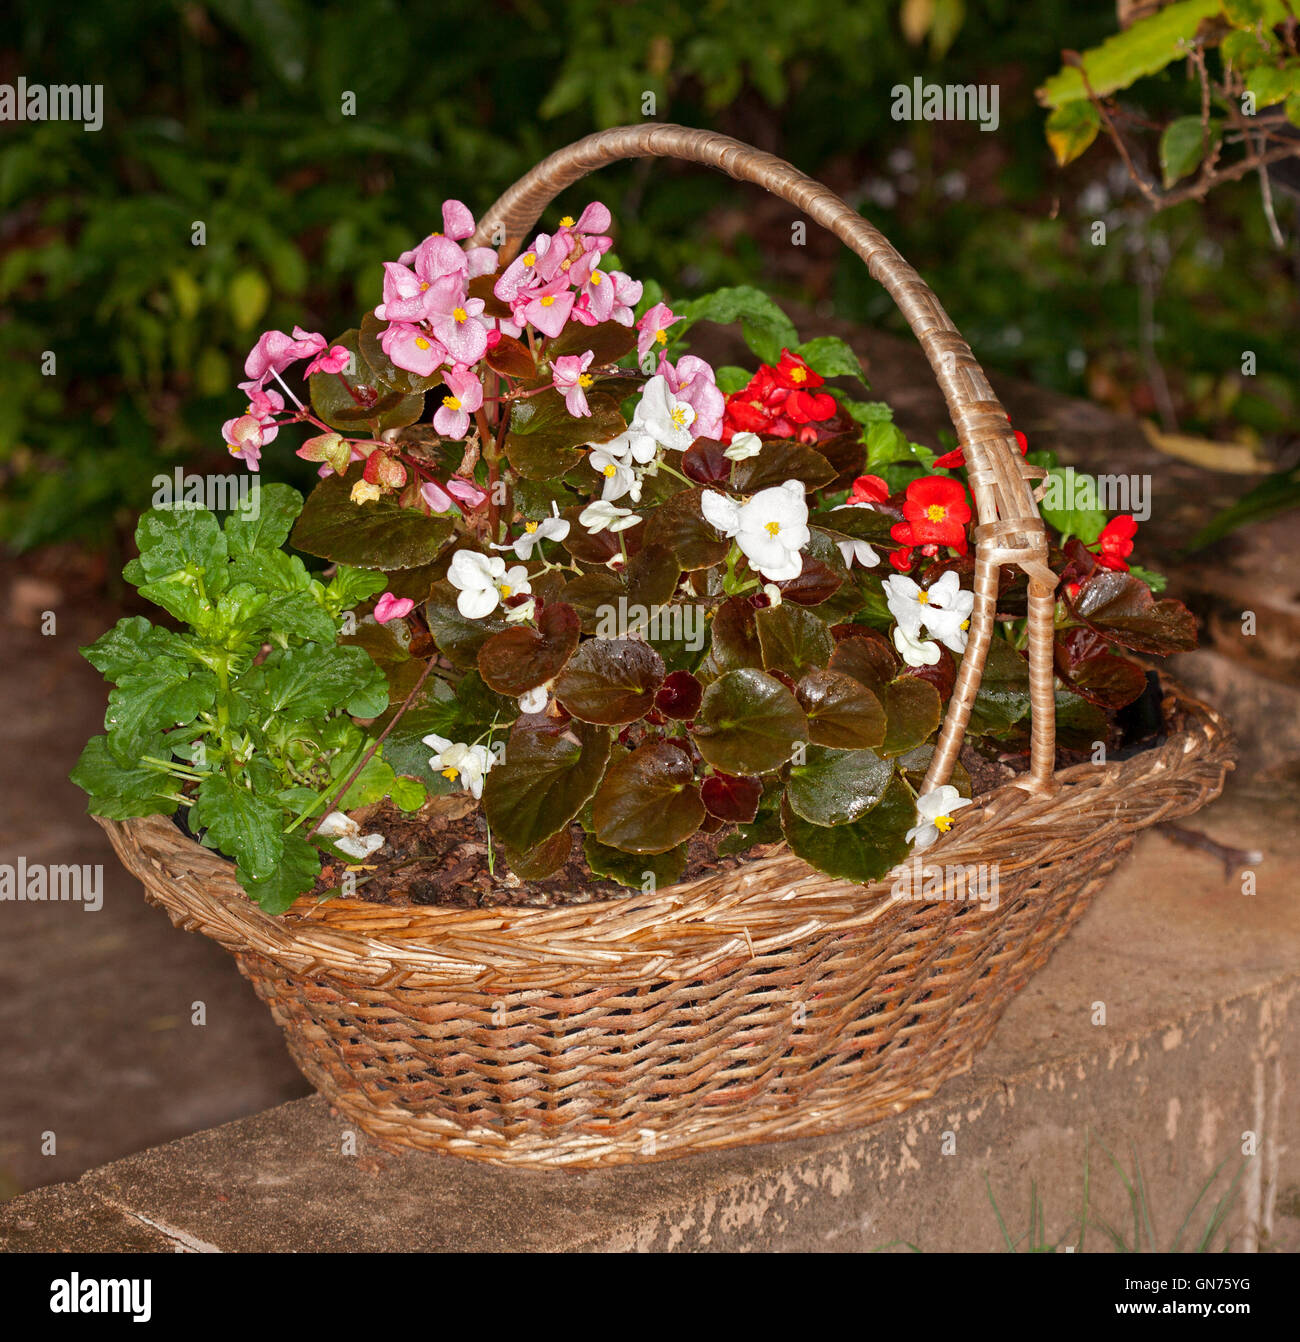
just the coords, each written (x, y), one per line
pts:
(454, 317)
(390, 607)
(413, 349)
(596, 218)
(693, 381)
(627, 294)
(481, 261)
(652, 329)
(466, 395)
(330, 361)
(275, 351)
(546, 308)
(435, 496)
(466, 492)
(521, 274)
(457, 221)
(263, 406)
(408, 280)
(595, 299)
(572, 378)
(243, 437)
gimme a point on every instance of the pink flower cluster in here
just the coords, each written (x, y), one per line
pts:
(431, 318)
(559, 278)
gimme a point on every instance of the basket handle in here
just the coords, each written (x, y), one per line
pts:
(1009, 529)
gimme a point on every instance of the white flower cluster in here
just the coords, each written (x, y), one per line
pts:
(942, 610)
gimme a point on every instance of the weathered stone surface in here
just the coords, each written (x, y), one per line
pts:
(67, 1218)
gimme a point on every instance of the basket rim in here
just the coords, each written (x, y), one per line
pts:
(691, 926)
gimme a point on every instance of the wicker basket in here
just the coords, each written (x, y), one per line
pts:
(764, 1003)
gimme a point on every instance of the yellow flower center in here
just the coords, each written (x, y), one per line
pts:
(235, 449)
(923, 598)
(678, 416)
(773, 528)
(530, 527)
(565, 264)
(424, 284)
(421, 343)
(610, 471)
(798, 375)
(661, 337)
(585, 380)
(548, 300)
(506, 589)
(596, 277)
(530, 258)
(451, 402)
(459, 314)
(936, 512)
(248, 409)
(567, 221)
(965, 624)
(943, 823)
(450, 771)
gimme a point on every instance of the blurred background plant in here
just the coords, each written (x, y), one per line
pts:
(235, 115)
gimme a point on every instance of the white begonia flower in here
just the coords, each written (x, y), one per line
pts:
(943, 609)
(743, 446)
(915, 651)
(346, 835)
(772, 592)
(934, 811)
(553, 528)
(859, 550)
(601, 516)
(620, 477)
(525, 610)
(770, 529)
(660, 420)
(536, 699)
(456, 760)
(484, 581)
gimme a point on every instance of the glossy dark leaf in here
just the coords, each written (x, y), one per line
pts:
(648, 802)
(867, 657)
(647, 872)
(356, 402)
(679, 526)
(511, 358)
(748, 723)
(862, 850)
(912, 715)
(611, 681)
(841, 711)
(792, 640)
(735, 635)
(832, 787)
(608, 341)
(543, 440)
(817, 582)
(781, 459)
(679, 696)
(1003, 696)
(1121, 608)
(732, 798)
(705, 462)
(1086, 662)
(520, 658)
(378, 535)
(544, 860)
(545, 779)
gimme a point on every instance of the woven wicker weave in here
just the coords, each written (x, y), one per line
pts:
(763, 1003)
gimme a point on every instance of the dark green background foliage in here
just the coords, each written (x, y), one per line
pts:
(229, 113)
